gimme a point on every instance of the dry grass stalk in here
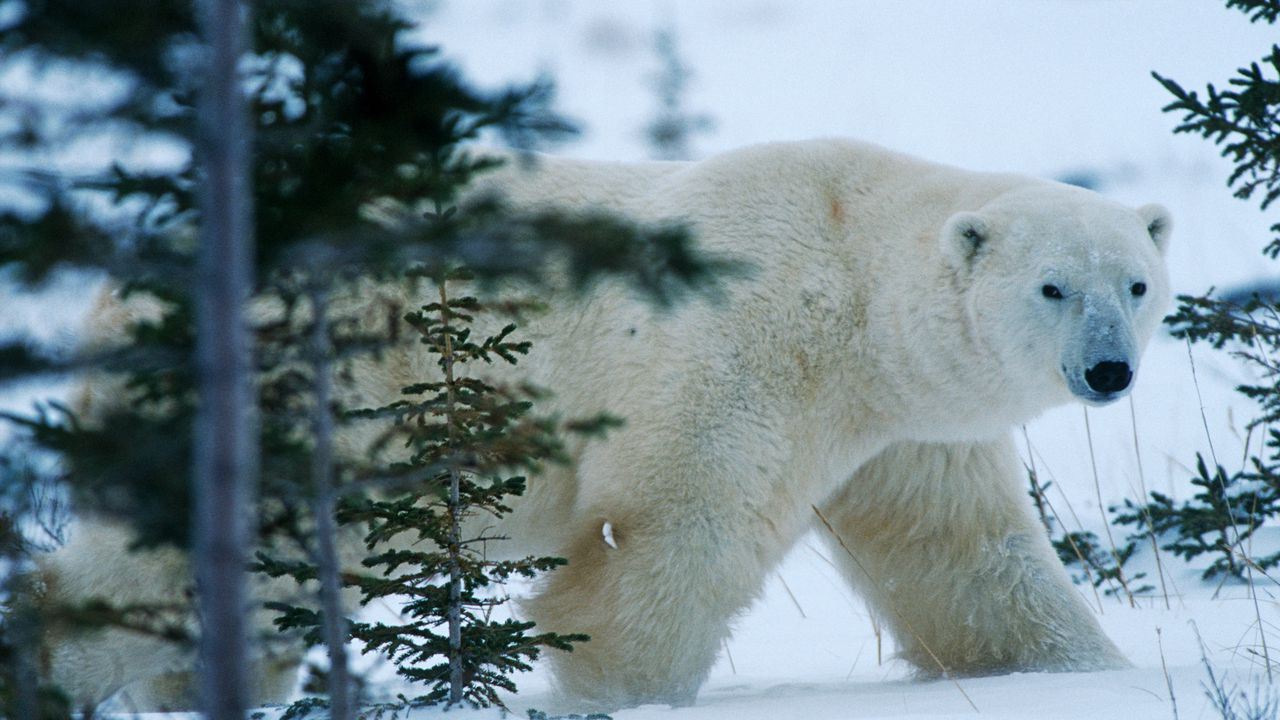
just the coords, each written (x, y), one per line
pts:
(1102, 510)
(905, 623)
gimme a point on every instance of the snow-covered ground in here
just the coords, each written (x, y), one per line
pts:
(1054, 88)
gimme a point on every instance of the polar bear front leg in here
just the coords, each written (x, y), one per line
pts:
(952, 560)
(658, 565)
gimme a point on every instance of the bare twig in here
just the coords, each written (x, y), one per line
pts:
(1168, 681)
(792, 596)
(1035, 485)
(1142, 505)
(1253, 591)
(1204, 419)
(1102, 510)
(879, 633)
(1085, 563)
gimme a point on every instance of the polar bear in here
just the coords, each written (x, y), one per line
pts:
(895, 320)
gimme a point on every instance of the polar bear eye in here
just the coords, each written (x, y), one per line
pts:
(1052, 292)
(1138, 289)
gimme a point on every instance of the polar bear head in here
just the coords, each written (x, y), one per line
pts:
(1062, 287)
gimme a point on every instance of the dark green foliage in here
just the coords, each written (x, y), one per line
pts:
(465, 439)
(348, 118)
(303, 708)
(1241, 119)
(32, 519)
(358, 137)
(1229, 506)
(124, 466)
(20, 359)
(1268, 10)
(344, 114)
(47, 703)
(1105, 568)
(28, 519)
(1082, 549)
(1253, 332)
(359, 140)
(1219, 520)
(539, 715)
(673, 127)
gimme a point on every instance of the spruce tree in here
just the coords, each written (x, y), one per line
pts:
(357, 136)
(466, 435)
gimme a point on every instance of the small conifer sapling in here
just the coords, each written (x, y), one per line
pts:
(465, 436)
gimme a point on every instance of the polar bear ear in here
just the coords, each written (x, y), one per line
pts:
(1159, 223)
(964, 239)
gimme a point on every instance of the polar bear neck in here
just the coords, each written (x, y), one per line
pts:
(940, 382)
(831, 308)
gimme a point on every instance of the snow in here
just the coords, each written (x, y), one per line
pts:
(1056, 88)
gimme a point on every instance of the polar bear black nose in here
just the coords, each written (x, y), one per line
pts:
(1109, 376)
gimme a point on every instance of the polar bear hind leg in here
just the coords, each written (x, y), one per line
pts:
(657, 591)
(943, 543)
(149, 673)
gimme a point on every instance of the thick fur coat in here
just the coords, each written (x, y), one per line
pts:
(896, 320)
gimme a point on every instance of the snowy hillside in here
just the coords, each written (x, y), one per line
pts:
(1053, 88)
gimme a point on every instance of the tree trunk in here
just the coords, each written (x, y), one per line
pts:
(225, 446)
(24, 623)
(457, 671)
(326, 560)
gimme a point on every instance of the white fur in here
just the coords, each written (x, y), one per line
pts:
(889, 331)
